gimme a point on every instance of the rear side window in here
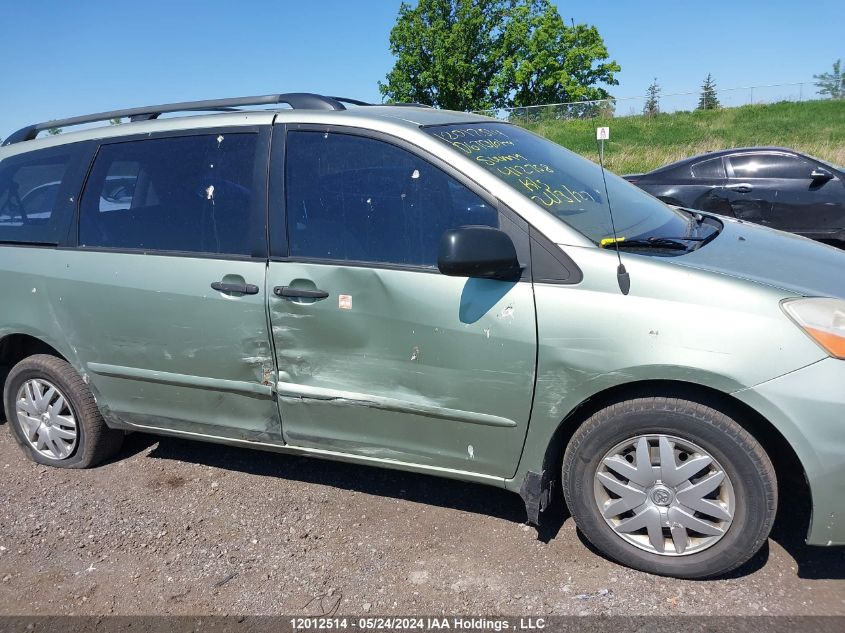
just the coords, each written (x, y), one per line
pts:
(770, 166)
(190, 194)
(35, 192)
(712, 168)
(360, 199)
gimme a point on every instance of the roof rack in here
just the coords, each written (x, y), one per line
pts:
(296, 100)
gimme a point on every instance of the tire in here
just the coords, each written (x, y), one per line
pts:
(738, 512)
(72, 402)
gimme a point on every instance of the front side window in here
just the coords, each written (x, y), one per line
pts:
(770, 166)
(188, 194)
(564, 184)
(353, 198)
(30, 208)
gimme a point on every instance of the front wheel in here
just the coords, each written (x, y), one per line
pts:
(670, 486)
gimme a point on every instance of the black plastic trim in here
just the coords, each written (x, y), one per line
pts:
(549, 264)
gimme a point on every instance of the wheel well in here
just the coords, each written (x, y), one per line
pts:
(13, 349)
(788, 468)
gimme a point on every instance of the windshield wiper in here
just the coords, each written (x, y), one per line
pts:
(670, 243)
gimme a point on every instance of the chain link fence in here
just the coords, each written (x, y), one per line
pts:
(673, 102)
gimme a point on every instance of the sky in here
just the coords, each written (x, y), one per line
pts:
(61, 59)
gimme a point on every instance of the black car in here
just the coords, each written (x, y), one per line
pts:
(773, 186)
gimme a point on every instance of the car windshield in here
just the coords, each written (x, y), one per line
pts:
(564, 184)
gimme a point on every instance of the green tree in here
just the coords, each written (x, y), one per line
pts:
(652, 99)
(832, 84)
(53, 131)
(708, 99)
(115, 121)
(475, 55)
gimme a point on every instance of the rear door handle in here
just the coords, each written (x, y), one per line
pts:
(742, 187)
(244, 289)
(301, 293)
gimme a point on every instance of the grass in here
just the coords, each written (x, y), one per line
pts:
(640, 143)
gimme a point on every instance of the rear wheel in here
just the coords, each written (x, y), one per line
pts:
(670, 487)
(54, 417)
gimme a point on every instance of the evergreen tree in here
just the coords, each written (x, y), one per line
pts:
(708, 99)
(652, 102)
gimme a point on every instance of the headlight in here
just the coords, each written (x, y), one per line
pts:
(823, 319)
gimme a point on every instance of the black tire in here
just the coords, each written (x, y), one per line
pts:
(95, 442)
(743, 459)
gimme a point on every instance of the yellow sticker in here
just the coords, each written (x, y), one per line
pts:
(611, 240)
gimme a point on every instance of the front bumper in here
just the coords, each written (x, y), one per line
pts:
(808, 408)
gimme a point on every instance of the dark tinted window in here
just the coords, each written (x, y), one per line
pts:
(30, 207)
(712, 168)
(190, 194)
(770, 166)
(359, 199)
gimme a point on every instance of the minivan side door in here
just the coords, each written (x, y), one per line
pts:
(163, 297)
(379, 355)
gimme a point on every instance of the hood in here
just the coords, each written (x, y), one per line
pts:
(774, 258)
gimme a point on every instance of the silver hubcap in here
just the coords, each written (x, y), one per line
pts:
(664, 495)
(46, 419)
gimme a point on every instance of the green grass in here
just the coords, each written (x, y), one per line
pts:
(639, 143)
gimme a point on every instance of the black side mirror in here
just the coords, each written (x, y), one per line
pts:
(478, 251)
(820, 175)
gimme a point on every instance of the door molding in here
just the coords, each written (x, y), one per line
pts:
(293, 390)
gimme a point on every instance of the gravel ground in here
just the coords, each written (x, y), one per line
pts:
(176, 527)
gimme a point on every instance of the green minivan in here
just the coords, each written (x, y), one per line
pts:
(429, 291)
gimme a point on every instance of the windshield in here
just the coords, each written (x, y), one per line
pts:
(563, 183)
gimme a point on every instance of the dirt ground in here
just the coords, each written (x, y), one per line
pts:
(176, 527)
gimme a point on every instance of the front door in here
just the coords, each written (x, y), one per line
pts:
(775, 189)
(164, 300)
(380, 355)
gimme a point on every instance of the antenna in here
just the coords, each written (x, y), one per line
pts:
(602, 134)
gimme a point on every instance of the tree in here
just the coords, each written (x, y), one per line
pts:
(652, 101)
(115, 121)
(708, 99)
(471, 55)
(53, 131)
(832, 84)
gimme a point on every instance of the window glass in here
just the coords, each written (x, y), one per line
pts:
(29, 194)
(359, 199)
(770, 166)
(712, 168)
(188, 194)
(569, 187)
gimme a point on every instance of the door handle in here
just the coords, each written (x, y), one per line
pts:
(244, 289)
(289, 292)
(742, 187)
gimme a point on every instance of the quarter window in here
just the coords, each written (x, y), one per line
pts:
(359, 199)
(188, 194)
(31, 209)
(711, 168)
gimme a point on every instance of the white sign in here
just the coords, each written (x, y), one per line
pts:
(602, 133)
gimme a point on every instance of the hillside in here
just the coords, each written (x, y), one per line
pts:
(640, 143)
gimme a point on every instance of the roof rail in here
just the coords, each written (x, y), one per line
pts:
(296, 100)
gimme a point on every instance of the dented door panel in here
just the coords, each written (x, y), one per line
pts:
(164, 349)
(405, 365)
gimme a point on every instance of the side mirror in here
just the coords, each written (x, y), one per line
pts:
(820, 175)
(478, 251)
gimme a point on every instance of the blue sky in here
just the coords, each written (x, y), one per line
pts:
(60, 58)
